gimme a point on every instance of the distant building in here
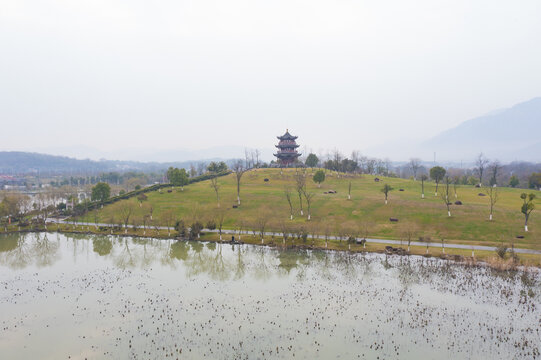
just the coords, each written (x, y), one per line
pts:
(287, 150)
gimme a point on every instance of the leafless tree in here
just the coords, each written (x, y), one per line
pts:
(146, 220)
(445, 195)
(257, 154)
(239, 170)
(492, 195)
(193, 171)
(220, 218)
(414, 165)
(261, 223)
(126, 209)
(214, 184)
(240, 227)
(285, 229)
(309, 196)
(288, 195)
(481, 163)
(326, 232)
(423, 179)
(300, 186)
(494, 169)
(409, 232)
(168, 218)
(201, 168)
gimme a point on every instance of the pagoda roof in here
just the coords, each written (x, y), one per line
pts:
(286, 146)
(287, 136)
(287, 155)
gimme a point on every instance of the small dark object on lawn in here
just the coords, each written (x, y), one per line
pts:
(265, 180)
(477, 185)
(400, 189)
(376, 179)
(393, 219)
(481, 194)
(520, 236)
(169, 191)
(332, 191)
(458, 202)
(235, 206)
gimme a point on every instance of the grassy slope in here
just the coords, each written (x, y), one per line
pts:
(469, 223)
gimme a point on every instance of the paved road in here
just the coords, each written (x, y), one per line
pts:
(368, 240)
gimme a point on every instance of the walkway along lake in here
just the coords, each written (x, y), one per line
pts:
(116, 298)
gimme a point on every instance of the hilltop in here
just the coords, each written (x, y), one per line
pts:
(469, 222)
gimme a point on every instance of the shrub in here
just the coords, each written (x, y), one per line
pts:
(501, 251)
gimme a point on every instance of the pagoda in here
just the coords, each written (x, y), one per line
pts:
(287, 150)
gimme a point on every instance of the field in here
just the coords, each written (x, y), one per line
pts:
(468, 224)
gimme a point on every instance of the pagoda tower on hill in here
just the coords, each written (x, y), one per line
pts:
(287, 150)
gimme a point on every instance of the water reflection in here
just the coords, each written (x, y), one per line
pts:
(169, 296)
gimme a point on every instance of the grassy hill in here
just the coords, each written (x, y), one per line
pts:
(468, 224)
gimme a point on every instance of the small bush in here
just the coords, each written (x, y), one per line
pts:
(501, 251)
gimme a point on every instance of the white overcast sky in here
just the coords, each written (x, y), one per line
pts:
(350, 75)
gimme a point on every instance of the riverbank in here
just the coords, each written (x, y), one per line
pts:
(469, 256)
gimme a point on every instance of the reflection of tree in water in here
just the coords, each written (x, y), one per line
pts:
(8, 242)
(20, 256)
(211, 246)
(293, 259)
(322, 262)
(262, 270)
(125, 259)
(346, 262)
(407, 272)
(179, 250)
(240, 265)
(46, 252)
(102, 245)
(198, 263)
(218, 268)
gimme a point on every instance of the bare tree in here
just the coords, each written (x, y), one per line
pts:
(492, 194)
(409, 232)
(288, 194)
(146, 221)
(168, 218)
(220, 218)
(284, 229)
(201, 168)
(309, 196)
(445, 195)
(126, 210)
(261, 223)
(349, 191)
(239, 170)
(364, 229)
(300, 186)
(214, 184)
(327, 232)
(414, 165)
(423, 179)
(257, 154)
(240, 227)
(456, 181)
(494, 169)
(481, 163)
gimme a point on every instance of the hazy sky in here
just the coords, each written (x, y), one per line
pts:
(195, 74)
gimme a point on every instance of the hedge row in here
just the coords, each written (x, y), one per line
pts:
(81, 208)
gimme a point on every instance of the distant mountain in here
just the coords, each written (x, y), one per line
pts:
(17, 162)
(152, 155)
(509, 134)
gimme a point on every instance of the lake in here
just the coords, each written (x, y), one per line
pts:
(92, 297)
